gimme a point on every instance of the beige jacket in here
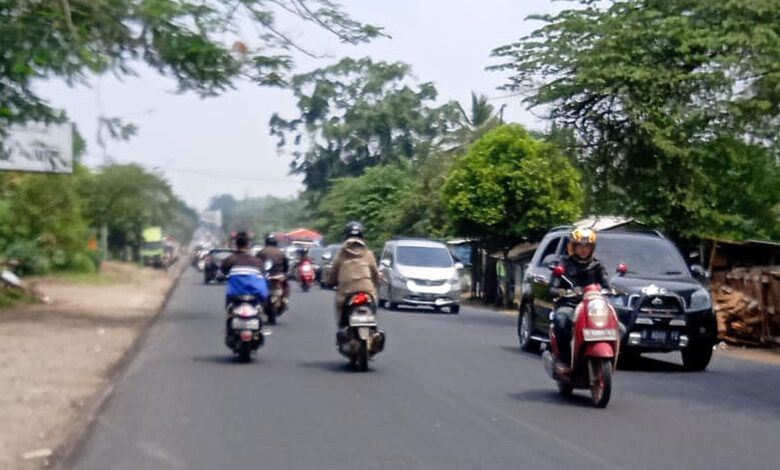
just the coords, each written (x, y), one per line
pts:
(354, 270)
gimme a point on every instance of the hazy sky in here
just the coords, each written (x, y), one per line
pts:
(222, 145)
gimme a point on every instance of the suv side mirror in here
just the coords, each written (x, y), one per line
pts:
(459, 266)
(385, 262)
(551, 261)
(699, 272)
(327, 256)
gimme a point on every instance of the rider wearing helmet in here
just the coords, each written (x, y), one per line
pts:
(582, 269)
(273, 255)
(354, 269)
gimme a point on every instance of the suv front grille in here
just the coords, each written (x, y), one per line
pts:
(429, 282)
(661, 304)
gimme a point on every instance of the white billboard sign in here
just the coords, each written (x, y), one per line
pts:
(37, 147)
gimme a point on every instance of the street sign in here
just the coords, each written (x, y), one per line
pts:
(45, 148)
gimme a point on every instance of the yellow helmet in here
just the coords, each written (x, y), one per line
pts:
(581, 236)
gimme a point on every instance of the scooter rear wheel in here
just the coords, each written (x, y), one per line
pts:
(362, 357)
(601, 382)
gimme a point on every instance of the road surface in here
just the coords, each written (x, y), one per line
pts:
(449, 392)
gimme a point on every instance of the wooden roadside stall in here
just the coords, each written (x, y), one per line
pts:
(746, 291)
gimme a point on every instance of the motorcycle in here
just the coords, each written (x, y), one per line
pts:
(305, 274)
(244, 328)
(361, 340)
(276, 304)
(595, 345)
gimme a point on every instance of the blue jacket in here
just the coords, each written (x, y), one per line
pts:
(245, 276)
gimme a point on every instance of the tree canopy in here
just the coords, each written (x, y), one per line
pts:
(360, 113)
(510, 185)
(198, 43)
(668, 99)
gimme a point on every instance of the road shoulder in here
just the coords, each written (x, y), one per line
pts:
(58, 360)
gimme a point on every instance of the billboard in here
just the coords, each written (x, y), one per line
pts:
(37, 147)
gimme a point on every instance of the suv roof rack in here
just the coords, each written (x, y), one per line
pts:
(562, 227)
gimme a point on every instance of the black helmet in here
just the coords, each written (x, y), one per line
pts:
(353, 229)
(270, 240)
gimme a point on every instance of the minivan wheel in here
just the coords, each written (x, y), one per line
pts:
(525, 329)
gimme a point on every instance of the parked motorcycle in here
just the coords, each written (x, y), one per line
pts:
(244, 327)
(595, 345)
(361, 340)
(305, 274)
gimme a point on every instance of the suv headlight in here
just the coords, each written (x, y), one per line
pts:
(598, 312)
(700, 300)
(400, 277)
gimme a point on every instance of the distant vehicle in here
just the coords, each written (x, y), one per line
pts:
(419, 272)
(664, 305)
(328, 254)
(213, 261)
(152, 247)
(315, 254)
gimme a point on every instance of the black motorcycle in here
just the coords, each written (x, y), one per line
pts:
(244, 327)
(362, 339)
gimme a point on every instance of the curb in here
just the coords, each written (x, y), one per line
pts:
(67, 452)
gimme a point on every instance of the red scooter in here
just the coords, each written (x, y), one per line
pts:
(305, 274)
(595, 345)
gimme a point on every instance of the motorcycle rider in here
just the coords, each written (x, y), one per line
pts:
(279, 263)
(244, 273)
(582, 269)
(354, 270)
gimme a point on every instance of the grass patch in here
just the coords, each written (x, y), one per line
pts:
(84, 278)
(11, 297)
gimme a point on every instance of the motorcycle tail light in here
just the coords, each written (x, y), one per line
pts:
(360, 299)
(244, 311)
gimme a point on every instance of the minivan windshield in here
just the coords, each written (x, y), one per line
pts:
(424, 256)
(644, 256)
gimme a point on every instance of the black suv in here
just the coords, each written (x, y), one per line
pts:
(662, 302)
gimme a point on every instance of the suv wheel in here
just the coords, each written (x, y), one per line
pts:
(455, 309)
(525, 323)
(696, 357)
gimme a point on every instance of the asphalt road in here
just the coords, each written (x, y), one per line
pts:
(449, 392)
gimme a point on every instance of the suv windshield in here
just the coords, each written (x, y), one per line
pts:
(424, 256)
(646, 256)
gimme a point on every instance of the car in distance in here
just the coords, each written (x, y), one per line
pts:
(419, 272)
(212, 264)
(662, 302)
(327, 256)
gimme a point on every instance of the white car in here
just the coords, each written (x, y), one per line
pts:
(419, 272)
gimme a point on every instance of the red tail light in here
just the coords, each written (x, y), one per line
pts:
(209, 259)
(360, 299)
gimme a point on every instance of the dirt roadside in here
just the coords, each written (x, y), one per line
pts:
(55, 358)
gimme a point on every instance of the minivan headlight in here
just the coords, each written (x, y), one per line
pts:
(700, 300)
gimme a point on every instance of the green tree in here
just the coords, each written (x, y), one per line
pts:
(127, 198)
(190, 41)
(659, 93)
(360, 113)
(373, 198)
(261, 214)
(509, 186)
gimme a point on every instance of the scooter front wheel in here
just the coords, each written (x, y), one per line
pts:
(600, 381)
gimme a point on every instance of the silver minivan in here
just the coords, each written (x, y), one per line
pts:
(419, 272)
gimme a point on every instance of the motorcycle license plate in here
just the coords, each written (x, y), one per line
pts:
(239, 324)
(277, 292)
(357, 320)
